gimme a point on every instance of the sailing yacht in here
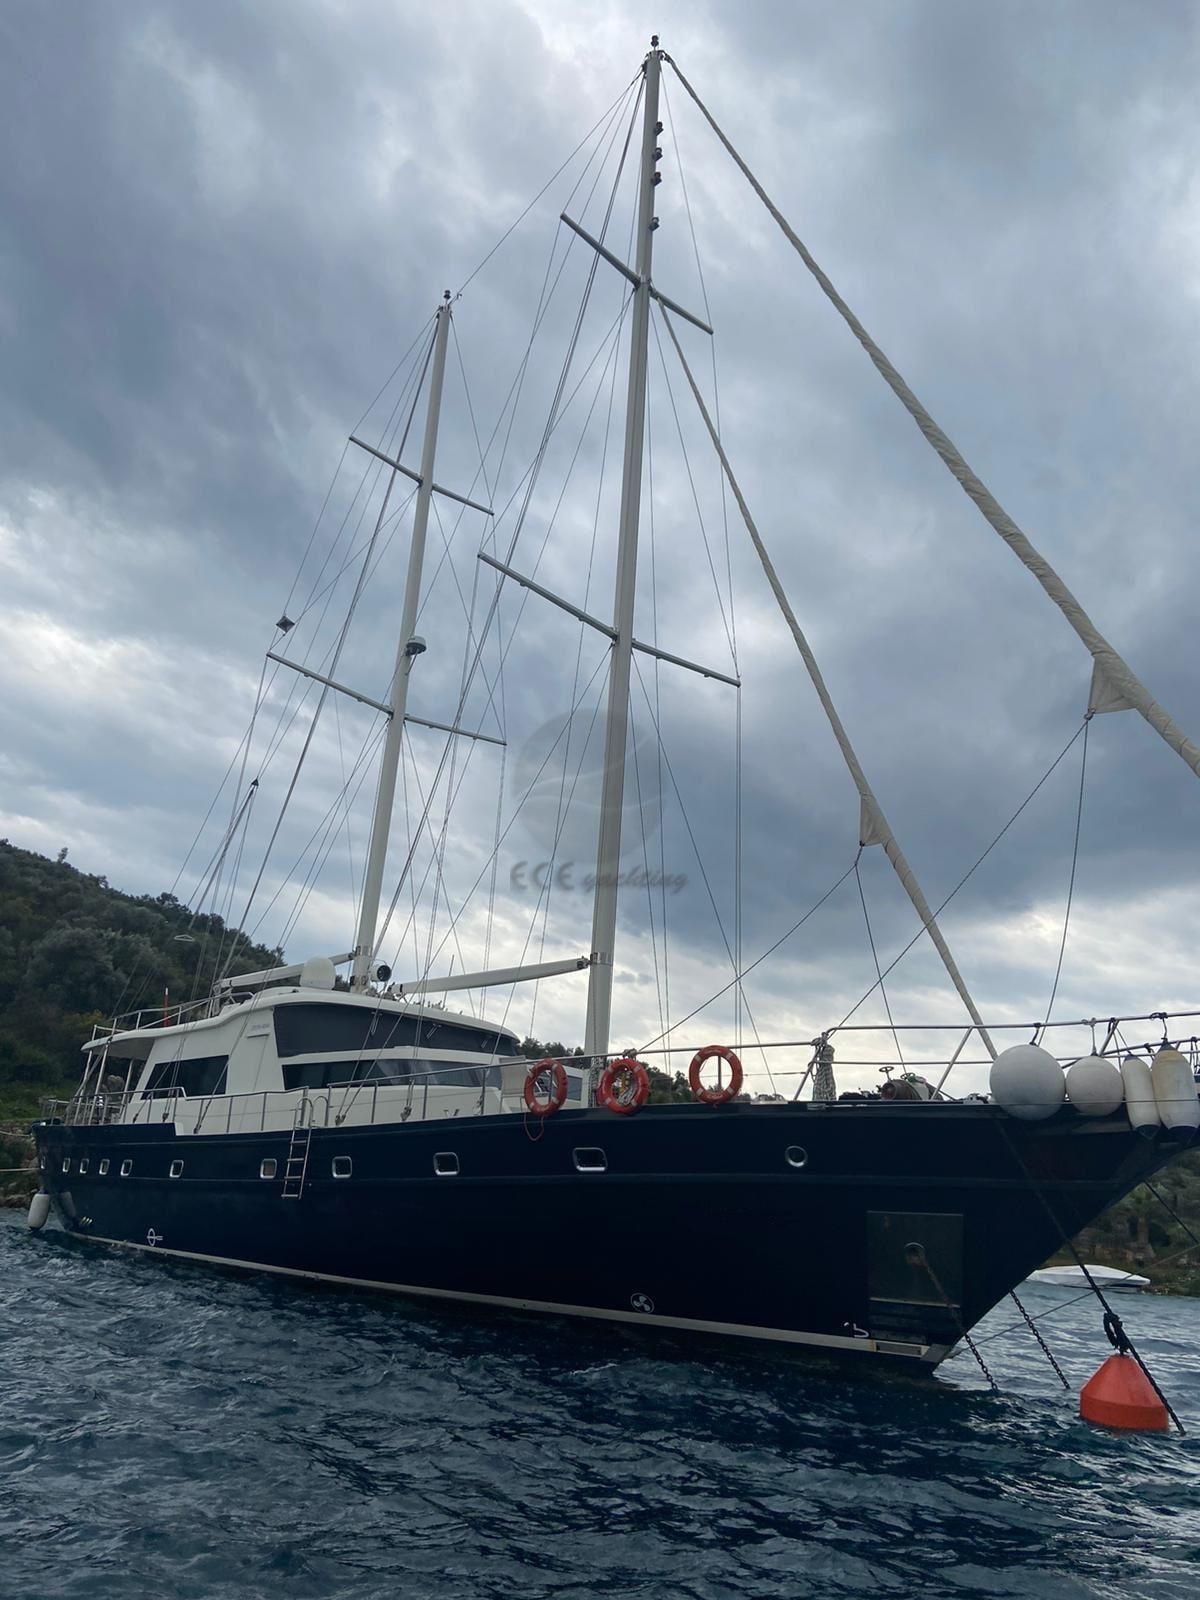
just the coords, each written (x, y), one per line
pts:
(354, 1131)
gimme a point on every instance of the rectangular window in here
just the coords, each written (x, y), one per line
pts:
(104, 1166)
(390, 1070)
(66, 1166)
(342, 1166)
(320, 1027)
(176, 1169)
(445, 1164)
(203, 1075)
(83, 1166)
(126, 1168)
(590, 1159)
(268, 1169)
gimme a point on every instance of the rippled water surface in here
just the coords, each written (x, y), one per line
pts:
(167, 1431)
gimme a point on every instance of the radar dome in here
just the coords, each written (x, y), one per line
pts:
(318, 972)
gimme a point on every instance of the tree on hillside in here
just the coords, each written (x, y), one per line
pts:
(73, 968)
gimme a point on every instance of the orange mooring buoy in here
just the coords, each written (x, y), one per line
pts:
(1119, 1395)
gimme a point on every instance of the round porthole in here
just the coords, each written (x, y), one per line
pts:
(796, 1156)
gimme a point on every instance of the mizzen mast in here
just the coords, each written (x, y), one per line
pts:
(408, 648)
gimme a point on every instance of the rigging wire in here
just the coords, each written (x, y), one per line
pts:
(663, 1009)
(978, 862)
(541, 311)
(871, 812)
(495, 600)
(613, 112)
(1074, 863)
(320, 837)
(549, 877)
(491, 904)
(371, 472)
(758, 960)
(564, 800)
(325, 831)
(641, 807)
(611, 116)
(325, 691)
(875, 954)
(738, 853)
(408, 755)
(333, 826)
(700, 863)
(437, 843)
(337, 723)
(665, 1000)
(692, 486)
(517, 808)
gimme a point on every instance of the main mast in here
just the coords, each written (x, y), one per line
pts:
(608, 851)
(408, 648)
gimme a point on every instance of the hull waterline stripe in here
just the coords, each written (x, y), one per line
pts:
(926, 1354)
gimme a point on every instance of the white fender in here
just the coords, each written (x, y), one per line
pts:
(1175, 1090)
(1094, 1086)
(39, 1210)
(1028, 1082)
(1139, 1095)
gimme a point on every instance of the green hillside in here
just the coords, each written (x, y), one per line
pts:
(73, 952)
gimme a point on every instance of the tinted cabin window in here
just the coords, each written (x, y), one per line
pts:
(445, 1074)
(201, 1076)
(320, 1028)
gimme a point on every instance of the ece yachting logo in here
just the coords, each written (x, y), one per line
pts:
(555, 784)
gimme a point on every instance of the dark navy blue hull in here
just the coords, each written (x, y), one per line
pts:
(867, 1227)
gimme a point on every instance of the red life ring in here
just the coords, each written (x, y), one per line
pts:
(558, 1087)
(623, 1100)
(722, 1093)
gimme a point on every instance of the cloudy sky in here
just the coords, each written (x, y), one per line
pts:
(222, 228)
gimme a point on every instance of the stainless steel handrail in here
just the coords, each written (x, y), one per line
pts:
(106, 1108)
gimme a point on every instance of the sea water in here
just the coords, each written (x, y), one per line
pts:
(170, 1431)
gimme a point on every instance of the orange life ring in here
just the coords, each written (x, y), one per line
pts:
(534, 1102)
(719, 1095)
(622, 1100)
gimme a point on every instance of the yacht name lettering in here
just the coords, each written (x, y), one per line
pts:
(536, 875)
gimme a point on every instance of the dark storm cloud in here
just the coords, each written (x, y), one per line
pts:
(222, 224)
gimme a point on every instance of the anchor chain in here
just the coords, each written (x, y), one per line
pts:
(1037, 1334)
(915, 1253)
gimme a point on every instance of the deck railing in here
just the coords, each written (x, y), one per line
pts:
(160, 1016)
(787, 1065)
(329, 1106)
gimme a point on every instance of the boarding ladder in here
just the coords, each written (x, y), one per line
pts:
(296, 1166)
